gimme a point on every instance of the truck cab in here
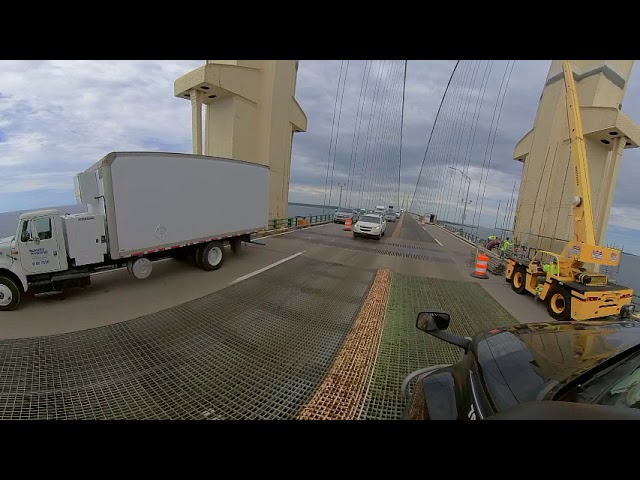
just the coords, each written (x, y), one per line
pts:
(37, 249)
(46, 252)
(40, 243)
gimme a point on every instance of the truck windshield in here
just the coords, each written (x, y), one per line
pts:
(344, 210)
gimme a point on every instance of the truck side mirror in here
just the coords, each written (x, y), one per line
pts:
(27, 232)
(432, 320)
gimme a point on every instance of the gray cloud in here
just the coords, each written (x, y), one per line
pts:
(465, 136)
(58, 117)
(473, 146)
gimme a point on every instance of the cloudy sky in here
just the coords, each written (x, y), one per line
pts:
(59, 117)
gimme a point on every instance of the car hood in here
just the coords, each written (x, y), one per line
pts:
(532, 361)
(367, 224)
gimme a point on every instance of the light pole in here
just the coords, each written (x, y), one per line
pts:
(341, 185)
(466, 199)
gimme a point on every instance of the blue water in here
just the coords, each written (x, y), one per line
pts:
(296, 209)
(9, 220)
(628, 274)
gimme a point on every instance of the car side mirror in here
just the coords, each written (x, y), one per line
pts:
(433, 320)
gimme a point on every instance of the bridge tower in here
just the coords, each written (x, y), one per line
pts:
(544, 208)
(251, 114)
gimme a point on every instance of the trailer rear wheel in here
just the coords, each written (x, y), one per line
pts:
(212, 256)
(559, 303)
(9, 294)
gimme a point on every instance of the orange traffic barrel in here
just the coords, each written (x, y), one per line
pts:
(482, 261)
(347, 224)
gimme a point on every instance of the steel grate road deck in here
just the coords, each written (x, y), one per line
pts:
(393, 249)
(404, 349)
(255, 350)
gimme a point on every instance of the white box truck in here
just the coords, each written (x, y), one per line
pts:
(380, 209)
(142, 206)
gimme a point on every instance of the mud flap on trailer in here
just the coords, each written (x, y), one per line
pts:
(248, 239)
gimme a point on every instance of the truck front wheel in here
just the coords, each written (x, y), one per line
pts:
(9, 294)
(211, 256)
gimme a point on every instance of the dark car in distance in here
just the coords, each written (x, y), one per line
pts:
(585, 370)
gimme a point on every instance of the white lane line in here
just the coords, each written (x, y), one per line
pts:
(249, 275)
(425, 229)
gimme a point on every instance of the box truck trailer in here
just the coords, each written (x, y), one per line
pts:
(141, 207)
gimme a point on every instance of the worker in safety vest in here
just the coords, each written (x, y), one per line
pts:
(503, 248)
(554, 268)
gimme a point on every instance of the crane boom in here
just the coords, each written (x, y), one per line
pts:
(583, 231)
(582, 248)
(570, 287)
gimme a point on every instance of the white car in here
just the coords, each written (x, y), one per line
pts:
(370, 225)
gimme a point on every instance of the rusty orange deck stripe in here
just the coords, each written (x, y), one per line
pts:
(340, 395)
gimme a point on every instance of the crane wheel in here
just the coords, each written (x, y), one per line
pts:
(559, 303)
(518, 279)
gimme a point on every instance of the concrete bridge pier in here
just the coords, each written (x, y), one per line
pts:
(250, 114)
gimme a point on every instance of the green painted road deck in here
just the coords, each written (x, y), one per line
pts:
(404, 349)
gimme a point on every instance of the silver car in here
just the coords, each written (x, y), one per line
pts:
(370, 225)
(390, 216)
(343, 213)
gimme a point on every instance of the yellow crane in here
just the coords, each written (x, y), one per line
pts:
(570, 291)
